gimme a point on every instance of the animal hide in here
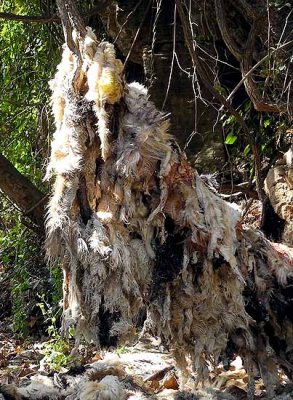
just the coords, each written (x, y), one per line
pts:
(136, 228)
(84, 387)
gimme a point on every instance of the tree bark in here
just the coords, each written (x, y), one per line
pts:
(22, 192)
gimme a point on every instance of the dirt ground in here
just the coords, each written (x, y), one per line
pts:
(145, 370)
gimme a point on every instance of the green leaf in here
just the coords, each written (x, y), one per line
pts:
(267, 122)
(246, 151)
(247, 106)
(230, 120)
(230, 139)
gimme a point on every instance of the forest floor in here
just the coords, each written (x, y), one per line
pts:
(146, 370)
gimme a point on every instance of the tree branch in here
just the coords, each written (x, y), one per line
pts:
(245, 56)
(259, 103)
(251, 13)
(71, 20)
(284, 45)
(229, 41)
(227, 188)
(41, 19)
(22, 192)
(47, 19)
(197, 64)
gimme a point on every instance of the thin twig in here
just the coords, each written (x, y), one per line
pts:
(173, 57)
(127, 19)
(246, 75)
(137, 33)
(246, 209)
(36, 205)
(154, 38)
(197, 64)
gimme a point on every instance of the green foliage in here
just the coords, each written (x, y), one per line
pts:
(268, 133)
(57, 281)
(122, 350)
(29, 56)
(51, 315)
(20, 286)
(18, 250)
(231, 138)
(57, 350)
(28, 61)
(263, 130)
(56, 354)
(21, 255)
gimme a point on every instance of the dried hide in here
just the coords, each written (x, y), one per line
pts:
(207, 394)
(136, 227)
(109, 388)
(45, 388)
(39, 388)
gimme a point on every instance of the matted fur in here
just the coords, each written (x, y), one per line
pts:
(136, 226)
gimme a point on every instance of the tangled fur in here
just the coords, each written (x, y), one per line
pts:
(136, 227)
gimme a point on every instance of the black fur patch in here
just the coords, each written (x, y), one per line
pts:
(169, 259)
(107, 319)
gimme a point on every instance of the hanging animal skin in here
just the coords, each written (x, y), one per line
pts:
(137, 229)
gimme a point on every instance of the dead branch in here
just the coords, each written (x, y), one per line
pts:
(137, 33)
(227, 188)
(71, 20)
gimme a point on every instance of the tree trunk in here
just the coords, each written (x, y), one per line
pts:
(279, 188)
(22, 192)
(137, 228)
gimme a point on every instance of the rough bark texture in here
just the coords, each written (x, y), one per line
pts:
(21, 192)
(137, 228)
(279, 188)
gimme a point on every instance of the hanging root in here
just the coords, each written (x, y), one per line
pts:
(137, 228)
